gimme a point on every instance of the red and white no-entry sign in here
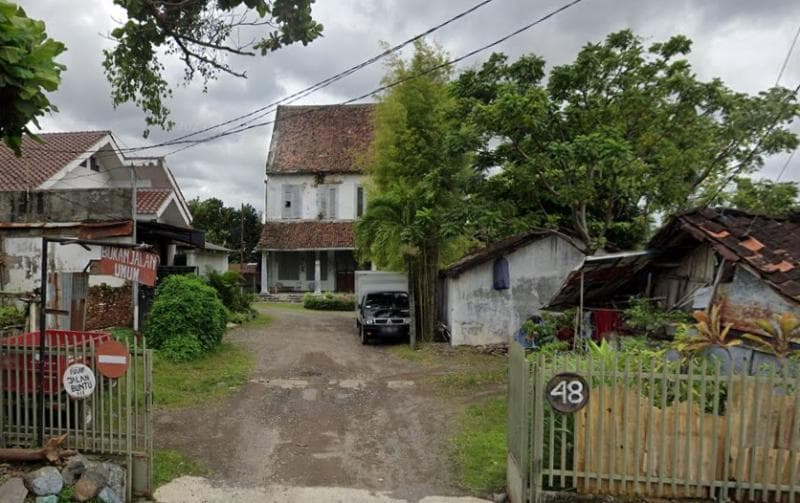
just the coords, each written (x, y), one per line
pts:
(112, 359)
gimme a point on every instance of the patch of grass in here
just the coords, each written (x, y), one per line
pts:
(425, 354)
(124, 334)
(260, 320)
(170, 464)
(291, 306)
(479, 446)
(209, 378)
(466, 381)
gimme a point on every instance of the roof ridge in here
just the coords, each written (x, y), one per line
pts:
(98, 131)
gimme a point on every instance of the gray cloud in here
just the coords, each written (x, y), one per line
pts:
(741, 41)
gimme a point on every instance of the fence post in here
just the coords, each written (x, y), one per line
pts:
(537, 431)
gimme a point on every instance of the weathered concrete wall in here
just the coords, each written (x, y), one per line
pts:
(748, 298)
(346, 205)
(22, 262)
(477, 314)
(65, 205)
(205, 261)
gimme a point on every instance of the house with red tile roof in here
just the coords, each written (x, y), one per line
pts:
(79, 184)
(314, 193)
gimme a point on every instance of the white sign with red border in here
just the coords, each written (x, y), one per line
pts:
(79, 381)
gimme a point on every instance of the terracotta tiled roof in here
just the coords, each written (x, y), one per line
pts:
(148, 201)
(768, 245)
(307, 235)
(319, 139)
(41, 161)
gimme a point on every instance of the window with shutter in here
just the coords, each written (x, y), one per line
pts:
(322, 202)
(359, 201)
(332, 202)
(297, 202)
(286, 202)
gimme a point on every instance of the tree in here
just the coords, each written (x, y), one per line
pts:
(223, 225)
(202, 33)
(618, 135)
(764, 196)
(27, 70)
(417, 171)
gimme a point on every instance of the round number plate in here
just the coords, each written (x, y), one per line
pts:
(567, 392)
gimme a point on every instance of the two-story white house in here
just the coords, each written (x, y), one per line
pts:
(314, 193)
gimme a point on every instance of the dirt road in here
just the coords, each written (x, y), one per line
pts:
(321, 410)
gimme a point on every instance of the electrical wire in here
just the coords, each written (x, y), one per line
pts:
(390, 85)
(271, 107)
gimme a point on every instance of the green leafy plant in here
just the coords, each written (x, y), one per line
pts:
(229, 288)
(329, 302)
(181, 349)
(10, 316)
(778, 335)
(645, 317)
(711, 332)
(27, 70)
(184, 306)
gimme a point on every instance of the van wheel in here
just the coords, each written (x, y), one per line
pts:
(363, 335)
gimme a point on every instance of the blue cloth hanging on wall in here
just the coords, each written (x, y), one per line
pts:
(500, 274)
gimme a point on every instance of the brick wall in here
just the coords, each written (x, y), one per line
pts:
(109, 307)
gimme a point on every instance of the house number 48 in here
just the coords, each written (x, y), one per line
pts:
(567, 392)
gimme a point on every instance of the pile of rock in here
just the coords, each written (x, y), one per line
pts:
(88, 478)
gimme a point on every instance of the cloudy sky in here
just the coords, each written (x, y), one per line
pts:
(744, 42)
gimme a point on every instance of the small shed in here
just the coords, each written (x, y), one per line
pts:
(748, 263)
(488, 294)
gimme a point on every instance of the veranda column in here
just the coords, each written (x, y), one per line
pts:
(264, 282)
(317, 273)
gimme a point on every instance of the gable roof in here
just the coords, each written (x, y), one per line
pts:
(320, 138)
(39, 162)
(149, 201)
(769, 246)
(499, 249)
(307, 235)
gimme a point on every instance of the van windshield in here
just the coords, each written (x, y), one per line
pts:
(387, 300)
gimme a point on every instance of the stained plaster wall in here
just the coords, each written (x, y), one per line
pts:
(749, 298)
(477, 314)
(23, 262)
(346, 205)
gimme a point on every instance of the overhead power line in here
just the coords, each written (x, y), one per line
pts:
(271, 107)
(390, 85)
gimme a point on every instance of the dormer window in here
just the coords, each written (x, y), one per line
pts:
(91, 163)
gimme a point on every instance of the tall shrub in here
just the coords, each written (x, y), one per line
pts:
(229, 288)
(185, 307)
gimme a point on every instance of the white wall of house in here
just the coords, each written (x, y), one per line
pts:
(24, 262)
(346, 190)
(478, 314)
(206, 260)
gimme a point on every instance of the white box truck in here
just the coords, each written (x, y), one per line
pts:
(382, 308)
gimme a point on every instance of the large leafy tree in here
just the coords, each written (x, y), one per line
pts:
(620, 134)
(764, 196)
(224, 225)
(202, 34)
(417, 170)
(27, 70)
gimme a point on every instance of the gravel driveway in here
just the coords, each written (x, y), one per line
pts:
(320, 410)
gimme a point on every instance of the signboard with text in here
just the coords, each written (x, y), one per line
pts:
(129, 264)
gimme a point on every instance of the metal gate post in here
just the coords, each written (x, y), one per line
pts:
(42, 342)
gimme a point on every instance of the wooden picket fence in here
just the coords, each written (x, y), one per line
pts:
(654, 429)
(115, 420)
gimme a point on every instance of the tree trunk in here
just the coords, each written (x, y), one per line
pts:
(412, 301)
